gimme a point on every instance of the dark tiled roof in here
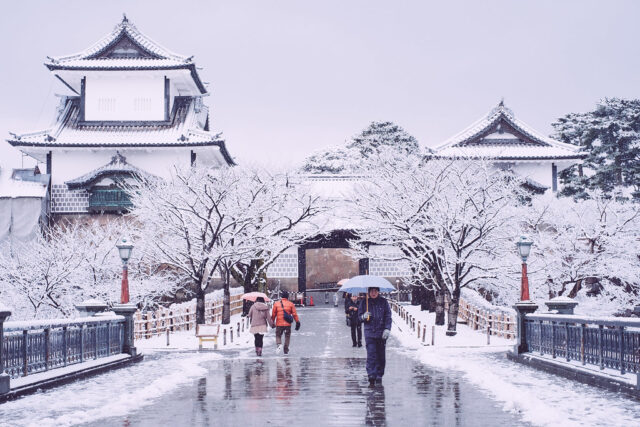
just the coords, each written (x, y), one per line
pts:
(118, 166)
(185, 128)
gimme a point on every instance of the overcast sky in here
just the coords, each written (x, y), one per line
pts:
(290, 77)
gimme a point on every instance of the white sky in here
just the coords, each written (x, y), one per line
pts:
(290, 77)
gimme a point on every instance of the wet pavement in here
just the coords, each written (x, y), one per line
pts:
(321, 382)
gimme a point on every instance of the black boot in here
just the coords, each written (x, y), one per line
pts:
(372, 382)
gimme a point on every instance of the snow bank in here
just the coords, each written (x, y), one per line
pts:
(540, 398)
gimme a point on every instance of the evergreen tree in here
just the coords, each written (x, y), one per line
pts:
(375, 139)
(611, 137)
(379, 136)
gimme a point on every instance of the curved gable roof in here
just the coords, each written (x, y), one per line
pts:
(118, 166)
(500, 135)
(125, 34)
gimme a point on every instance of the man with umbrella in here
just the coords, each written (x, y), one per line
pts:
(377, 327)
(376, 316)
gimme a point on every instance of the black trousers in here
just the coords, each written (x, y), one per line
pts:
(258, 339)
(357, 327)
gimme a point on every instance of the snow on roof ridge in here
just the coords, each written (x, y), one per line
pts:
(489, 119)
(125, 26)
(118, 163)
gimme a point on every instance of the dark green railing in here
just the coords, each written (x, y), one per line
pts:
(109, 200)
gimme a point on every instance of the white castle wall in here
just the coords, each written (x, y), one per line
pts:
(73, 163)
(124, 97)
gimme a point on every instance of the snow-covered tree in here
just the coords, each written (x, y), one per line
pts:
(611, 136)
(452, 221)
(73, 262)
(208, 221)
(40, 271)
(594, 241)
(283, 216)
(363, 149)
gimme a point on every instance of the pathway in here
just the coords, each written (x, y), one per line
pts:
(321, 382)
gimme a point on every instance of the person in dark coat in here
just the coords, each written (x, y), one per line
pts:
(376, 316)
(351, 309)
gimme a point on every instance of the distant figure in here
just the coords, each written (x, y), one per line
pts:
(351, 309)
(376, 315)
(259, 318)
(335, 299)
(283, 326)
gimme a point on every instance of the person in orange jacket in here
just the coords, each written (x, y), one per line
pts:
(282, 326)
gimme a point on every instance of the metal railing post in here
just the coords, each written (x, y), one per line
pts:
(566, 339)
(47, 334)
(540, 336)
(4, 378)
(582, 330)
(108, 339)
(64, 346)
(25, 356)
(621, 349)
(553, 339)
(95, 342)
(81, 343)
(601, 346)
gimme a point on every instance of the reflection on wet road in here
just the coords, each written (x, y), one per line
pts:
(322, 382)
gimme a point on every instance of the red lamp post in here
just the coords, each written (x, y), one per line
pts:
(524, 248)
(124, 248)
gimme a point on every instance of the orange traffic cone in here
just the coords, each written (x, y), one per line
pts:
(310, 300)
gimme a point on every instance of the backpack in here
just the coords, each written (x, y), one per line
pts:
(287, 317)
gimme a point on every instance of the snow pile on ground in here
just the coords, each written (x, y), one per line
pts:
(141, 386)
(540, 398)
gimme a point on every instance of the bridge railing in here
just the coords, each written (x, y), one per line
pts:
(608, 343)
(492, 320)
(38, 346)
(180, 317)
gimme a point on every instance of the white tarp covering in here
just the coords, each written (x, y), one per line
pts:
(5, 218)
(22, 204)
(20, 218)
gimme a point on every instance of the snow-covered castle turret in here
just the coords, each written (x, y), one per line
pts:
(508, 143)
(131, 98)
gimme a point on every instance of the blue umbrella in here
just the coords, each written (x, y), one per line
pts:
(361, 284)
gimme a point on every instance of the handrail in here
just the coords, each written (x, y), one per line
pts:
(18, 325)
(572, 318)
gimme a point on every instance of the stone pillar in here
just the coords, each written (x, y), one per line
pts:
(523, 308)
(4, 378)
(561, 305)
(127, 310)
(91, 307)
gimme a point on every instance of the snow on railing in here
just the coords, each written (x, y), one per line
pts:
(494, 321)
(182, 317)
(605, 342)
(491, 320)
(30, 347)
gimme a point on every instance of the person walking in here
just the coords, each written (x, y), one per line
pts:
(259, 318)
(351, 309)
(284, 313)
(376, 315)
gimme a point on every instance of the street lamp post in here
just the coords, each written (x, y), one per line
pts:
(124, 248)
(525, 305)
(524, 248)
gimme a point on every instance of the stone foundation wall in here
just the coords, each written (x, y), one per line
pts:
(64, 200)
